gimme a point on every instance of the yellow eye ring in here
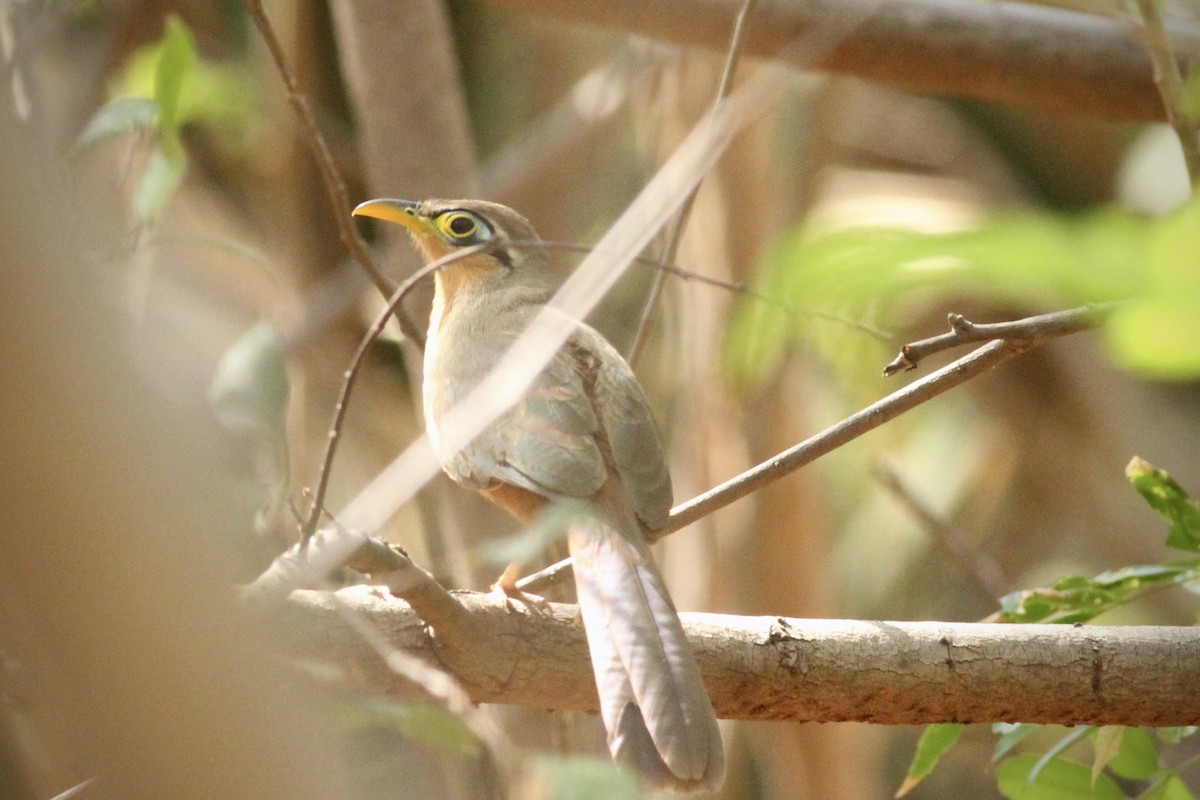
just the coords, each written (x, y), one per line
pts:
(458, 225)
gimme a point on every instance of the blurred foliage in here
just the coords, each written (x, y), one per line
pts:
(164, 87)
(1034, 259)
(423, 722)
(581, 778)
(1128, 753)
(249, 389)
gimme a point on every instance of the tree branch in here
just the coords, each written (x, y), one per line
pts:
(1006, 52)
(986, 576)
(869, 418)
(331, 179)
(963, 331)
(1169, 83)
(803, 670)
(674, 234)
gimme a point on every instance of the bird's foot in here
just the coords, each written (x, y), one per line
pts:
(506, 589)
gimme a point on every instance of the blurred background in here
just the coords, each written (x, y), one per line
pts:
(170, 234)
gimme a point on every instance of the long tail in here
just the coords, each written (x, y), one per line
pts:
(659, 719)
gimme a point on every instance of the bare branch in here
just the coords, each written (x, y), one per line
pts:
(675, 231)
(1006, 52)
(1169, 83)
(963, 331)
(331, 179)
(869, 418)
(810, 670)
(984, 572)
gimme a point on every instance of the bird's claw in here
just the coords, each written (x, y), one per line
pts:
(507, 590)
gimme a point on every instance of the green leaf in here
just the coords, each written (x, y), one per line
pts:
(420, 721)
(163, 173)
(1188, 102)
(1011, 734)
(1029, 259)
(117, 117)
(176, 61)
(935, 742)
(1137, 758)
(1059, 779)
(1108, 744)
(1157, 337)
(1060, 746)
(1079, 599)
(581, 778)
(1171, 787)
(1170, 500)
(249, 390)
(1141, 574)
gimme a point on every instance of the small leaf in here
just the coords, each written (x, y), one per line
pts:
(580, 778)
(1011, 734)
(1137, 758)
(1060, 746)
(1170, 500)
(1142, 574)
(116, 117)
(1108, 744)
(935, 742)
(1171, 787)
(1059, 779)
(161, 177)
(175, 63)
(249, 390)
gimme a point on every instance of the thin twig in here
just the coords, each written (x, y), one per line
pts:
(1169, 83)
(980, 360)
(350, 376)
(675, 232)
(985, 574)
(737, 287)
(331, 179)
(963, 331)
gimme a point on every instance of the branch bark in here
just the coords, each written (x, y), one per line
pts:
(1006, 52)
(801, 670)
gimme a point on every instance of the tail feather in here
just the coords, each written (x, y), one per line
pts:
(656, 710)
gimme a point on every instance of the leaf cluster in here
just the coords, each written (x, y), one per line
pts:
(1032, 258)
(1119, 752)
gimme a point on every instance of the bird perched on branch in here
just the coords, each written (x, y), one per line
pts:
(582, 432)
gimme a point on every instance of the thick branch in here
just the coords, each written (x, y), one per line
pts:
(804, 670)
(1006, 52)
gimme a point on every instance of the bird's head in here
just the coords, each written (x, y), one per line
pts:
(442, 227)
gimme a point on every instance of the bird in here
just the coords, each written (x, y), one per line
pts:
(582, 433)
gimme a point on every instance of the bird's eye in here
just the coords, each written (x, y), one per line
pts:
(460, 226)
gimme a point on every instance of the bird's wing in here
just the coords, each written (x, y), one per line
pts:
(631, 438)
(547, 442)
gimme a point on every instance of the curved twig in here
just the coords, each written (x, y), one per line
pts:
(351, 375)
